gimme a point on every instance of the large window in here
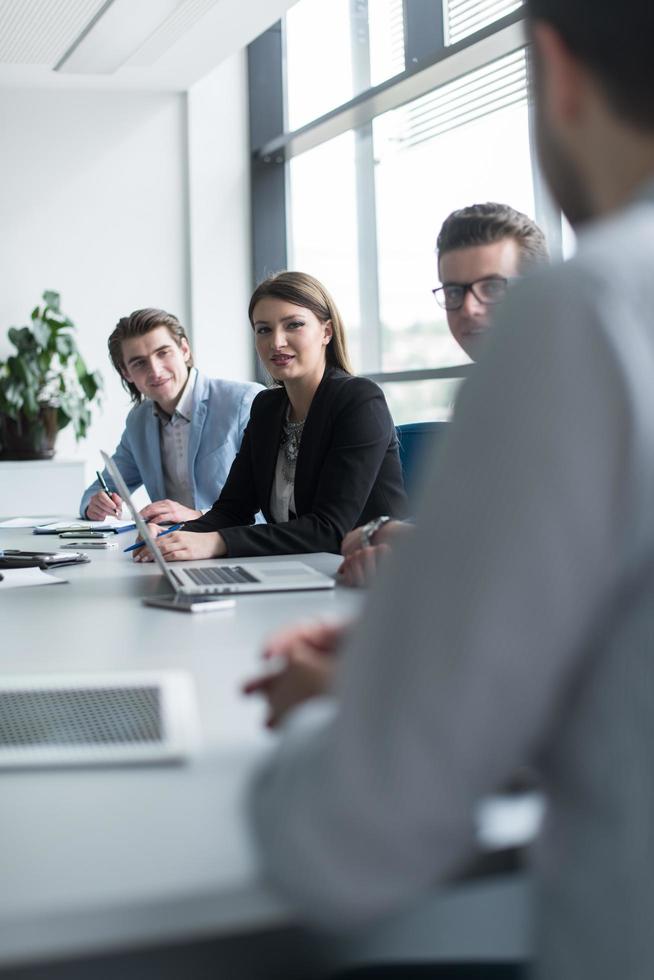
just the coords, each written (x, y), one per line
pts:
(464, 17)
(431, 156)
(404, 111)
(336, 49)
(323, 224)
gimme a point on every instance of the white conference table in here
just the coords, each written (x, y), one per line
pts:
(104, 860)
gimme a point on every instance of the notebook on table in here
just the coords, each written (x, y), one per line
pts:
(188, 578)
(109, 524)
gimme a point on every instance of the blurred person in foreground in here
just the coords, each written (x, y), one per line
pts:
(517, 627)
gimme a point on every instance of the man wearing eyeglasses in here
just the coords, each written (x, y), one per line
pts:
(481, 249)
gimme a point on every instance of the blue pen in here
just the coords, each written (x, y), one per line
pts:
(141, 544)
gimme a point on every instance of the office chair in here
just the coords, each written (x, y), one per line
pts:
(417, 439)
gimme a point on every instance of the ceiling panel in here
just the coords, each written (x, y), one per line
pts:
(170, 31)
(39, 32)
(187, 41)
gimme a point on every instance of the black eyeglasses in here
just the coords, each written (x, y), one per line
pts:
(451, 296)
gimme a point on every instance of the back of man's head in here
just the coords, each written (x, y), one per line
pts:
(614, 40)
(137, 324)
(483, 224)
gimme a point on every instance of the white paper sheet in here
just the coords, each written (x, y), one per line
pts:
(109, 522)
(22, 522)
(18, 578)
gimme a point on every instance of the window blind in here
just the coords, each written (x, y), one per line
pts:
(464, 17)
(489, 89)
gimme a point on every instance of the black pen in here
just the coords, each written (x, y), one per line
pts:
(105, 488)
(103, 484)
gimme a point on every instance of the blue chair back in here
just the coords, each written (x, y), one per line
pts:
(417, 440)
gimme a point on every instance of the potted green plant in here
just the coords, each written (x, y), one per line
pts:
(45, 385)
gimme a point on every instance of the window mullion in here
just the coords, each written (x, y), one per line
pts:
(364, 164)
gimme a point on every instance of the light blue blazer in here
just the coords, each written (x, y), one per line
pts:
(221, 410)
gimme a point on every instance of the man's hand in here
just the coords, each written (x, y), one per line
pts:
(168, 510)
(300, 666)
(183, 545)
(361, 566)
(384, 535)
(362, 563)
(101, 506)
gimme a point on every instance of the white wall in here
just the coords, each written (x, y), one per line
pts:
(95, 194)
(92, 204)
(220, 221)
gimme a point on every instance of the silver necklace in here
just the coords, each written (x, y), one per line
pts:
(290, 442)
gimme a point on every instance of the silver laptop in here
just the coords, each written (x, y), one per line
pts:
(189, 579)
(96, 719)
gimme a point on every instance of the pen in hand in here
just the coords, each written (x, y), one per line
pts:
(141, 544)
(103, 484)
(101, 481)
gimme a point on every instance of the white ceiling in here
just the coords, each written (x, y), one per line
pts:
(184, 40)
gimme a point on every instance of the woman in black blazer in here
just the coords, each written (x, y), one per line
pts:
(319, 455)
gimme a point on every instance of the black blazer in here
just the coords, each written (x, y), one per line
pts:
(347, 472)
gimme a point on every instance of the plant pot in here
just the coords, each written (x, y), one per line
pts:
(29, 438)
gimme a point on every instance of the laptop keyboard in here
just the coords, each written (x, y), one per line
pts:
(224, 575)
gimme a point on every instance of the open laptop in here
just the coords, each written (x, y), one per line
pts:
(188, 579)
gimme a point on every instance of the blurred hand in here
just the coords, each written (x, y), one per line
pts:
(168, 510)
(183, 545)
(353, 541)
(101, 506)
(386, 534)
(360, 567)
(301, 666)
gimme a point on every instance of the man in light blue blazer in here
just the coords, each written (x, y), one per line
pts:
(184, 430)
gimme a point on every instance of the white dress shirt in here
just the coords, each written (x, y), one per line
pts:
(174, 434)
(516, 627)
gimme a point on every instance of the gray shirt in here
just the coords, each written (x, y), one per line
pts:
(174, 435)
(517, 627)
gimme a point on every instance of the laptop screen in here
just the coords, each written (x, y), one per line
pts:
(141, 526)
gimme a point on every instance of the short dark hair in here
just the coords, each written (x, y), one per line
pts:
(482, 224)
(615, 42)
(137, 324)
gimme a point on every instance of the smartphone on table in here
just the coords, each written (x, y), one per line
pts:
(87, 545)
(93, 535)
(190, 603)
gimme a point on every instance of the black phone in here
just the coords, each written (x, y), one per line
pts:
(190, 603)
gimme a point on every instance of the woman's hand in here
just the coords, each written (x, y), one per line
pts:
(183, 545)
(300, 665)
